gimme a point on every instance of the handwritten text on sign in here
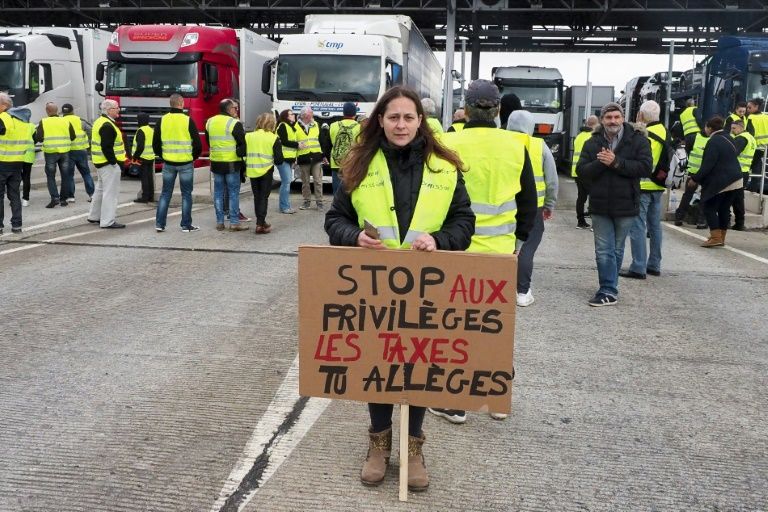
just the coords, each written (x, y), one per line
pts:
(432, 329)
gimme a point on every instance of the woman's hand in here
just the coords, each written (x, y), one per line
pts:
(424, 242)
(364, 240)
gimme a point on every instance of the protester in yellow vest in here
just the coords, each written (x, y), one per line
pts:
(459, 120)
(690, 124)
(287, 131)
(739, 113)
(23, 115)
(521, 124)
(144, 156)
(78, 153)
(757, 125)
(647, 225)
(342, 135)
(310, 158)
(404, 182)
(694, 163)
(263, 152)
(746, 145)
(14, 141)
(56, 135)
(108, 154)
(430, 109)
(582, 185)
(177, 142)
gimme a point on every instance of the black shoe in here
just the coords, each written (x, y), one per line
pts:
(139, 200)
(738, 227)
(93, 221)
(653, 272)
(63, 202)
(452, 415)
(601, 299)
(701, 226)
(115, 225)
(53, 204)
(632, 275)
(678, 223)
(583, 225)
(16, 230)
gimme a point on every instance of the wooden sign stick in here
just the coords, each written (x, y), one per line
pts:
(404, 415)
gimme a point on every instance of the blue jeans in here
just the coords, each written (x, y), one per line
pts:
(610, 237)
(79, 158)
(51, 161)
(648, 221)
(229, 182)
(285, 185)
(335, 180)
(186, 182)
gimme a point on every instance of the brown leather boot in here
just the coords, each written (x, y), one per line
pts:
(715, 238)
(379, 450)
(418, 479)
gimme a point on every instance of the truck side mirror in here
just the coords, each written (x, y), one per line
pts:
(100, 72)
(99, 87)
(212, 74)
(266, 76)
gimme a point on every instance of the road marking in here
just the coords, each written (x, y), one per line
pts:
(277, 433)
(727, 247)
(66, 219)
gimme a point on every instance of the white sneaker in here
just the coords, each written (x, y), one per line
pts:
(71, 200)
(525, 299)
(24, 202)
(498, 415)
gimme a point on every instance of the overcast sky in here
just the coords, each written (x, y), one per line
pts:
(605, 69)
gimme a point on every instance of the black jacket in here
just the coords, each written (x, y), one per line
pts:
(406, 167)
(615, 191)
(719, 165)
(197, 145)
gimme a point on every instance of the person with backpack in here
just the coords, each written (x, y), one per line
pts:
(648, 222)
(342, 136)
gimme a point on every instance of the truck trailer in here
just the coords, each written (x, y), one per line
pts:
(576, 111)
(148, 63)
(540, 91)
(51, 64)
(355, 58)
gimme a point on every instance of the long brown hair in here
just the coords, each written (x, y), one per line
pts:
(355, 165)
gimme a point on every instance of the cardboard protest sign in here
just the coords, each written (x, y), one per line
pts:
(407, 327)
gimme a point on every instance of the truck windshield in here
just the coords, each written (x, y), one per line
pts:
(11, 74)
(757, 85)
(536, 98)
(329, 77)
(151, 79)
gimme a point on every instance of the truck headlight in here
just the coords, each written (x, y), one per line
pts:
(190, 39)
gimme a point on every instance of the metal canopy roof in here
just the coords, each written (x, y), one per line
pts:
(498, 25)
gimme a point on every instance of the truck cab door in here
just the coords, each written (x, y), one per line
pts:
(394, 74)
(40, 80)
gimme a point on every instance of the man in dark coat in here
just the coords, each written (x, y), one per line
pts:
(612, 161)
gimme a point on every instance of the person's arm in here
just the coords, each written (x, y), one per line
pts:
(277, 152)
(157, 143)
(325, 142)
(550, 179)
(140, 140)
(750, 127)
(456, 232)
(72, 135)
(740, 143)
(39, 135)
(197, 144)
(108, 137)
(238, 132)
(282, 132)
(527, 201)
(727, 125)
(2, 127)
(341, 220)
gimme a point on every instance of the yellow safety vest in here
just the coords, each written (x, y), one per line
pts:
(55, 135)
(745, 157)
(656, 151)
(81, 138)
(435, 125)
(13, 145)
(259, 158)
(578, 145)
(311, 140)
(374, 201)
(697, 152)
(175, 137)
(96, 154)
(149, 151)
(688, 119)
(760, 124)
(335, 128)
(222, 142)
(457, 127)
(292, 134)
(29, 155)
(736, 117)
(493, 181)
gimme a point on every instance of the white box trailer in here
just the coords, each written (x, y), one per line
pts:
(576, 114)
(52, 64)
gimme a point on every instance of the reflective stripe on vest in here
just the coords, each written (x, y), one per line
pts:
(746, 155)
(536, 154)
(311, 140)
(175, 137)
(374, 201)
(222, 142)
(688, 119)
(657, 149)
(760, 124)
(55, 135)
(290, 132)
(578, 145)
(148, 153)
(29, 155)
(81, 138)
(96, 154)
(697, 152)
(493, 181)
(13, 144)
(259, 153)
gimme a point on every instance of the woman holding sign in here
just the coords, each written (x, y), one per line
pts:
(402, 189)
